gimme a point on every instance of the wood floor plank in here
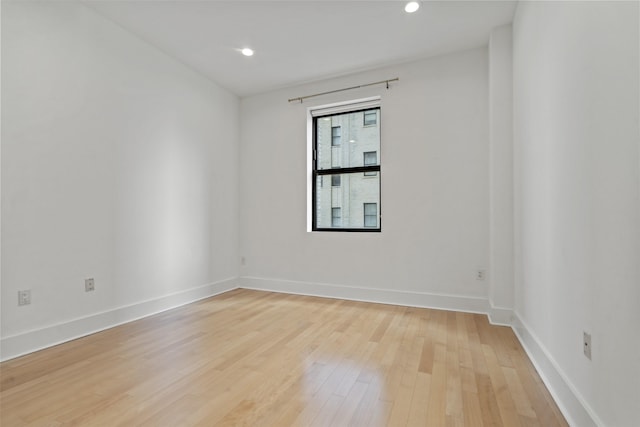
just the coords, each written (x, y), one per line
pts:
(436, 410)
(472, 410)
(505, 401)
(364, 412)
(345, 413)
(266, 359)
(488, 403)
(518, 394)
(418, 408)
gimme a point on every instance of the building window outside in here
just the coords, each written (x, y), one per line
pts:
(370, 159)
(335, 136)
(357, 172)
(370, 214)
(370, 117)
(336, 217)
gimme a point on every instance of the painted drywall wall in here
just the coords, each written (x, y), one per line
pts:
(501, 170)
(435, 188)
(118, 163)
(576, 110)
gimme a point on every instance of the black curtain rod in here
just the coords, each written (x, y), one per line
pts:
(302, 98)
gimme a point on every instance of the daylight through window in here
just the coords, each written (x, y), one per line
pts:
(346, 147)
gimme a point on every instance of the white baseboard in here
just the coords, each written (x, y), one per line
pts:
(497, 315)
(572, 405)
(500, 316)
(383, 296)
(28, 342)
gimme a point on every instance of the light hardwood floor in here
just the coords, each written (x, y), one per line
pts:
(248, 358)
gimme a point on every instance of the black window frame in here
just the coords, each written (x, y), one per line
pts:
(341, 170)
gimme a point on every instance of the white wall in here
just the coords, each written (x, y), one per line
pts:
(118, 163)
(501, 172)
(576, 118)
(435, 189)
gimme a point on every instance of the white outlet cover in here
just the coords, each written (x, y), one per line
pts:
(586, 342)
(24, 297)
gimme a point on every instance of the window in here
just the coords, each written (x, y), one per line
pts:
(335, 136)
(352, 166)
(336, 217)
(370, 118)
(370, 214)
(370, 159)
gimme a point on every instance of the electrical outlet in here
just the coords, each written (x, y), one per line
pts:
(586, 344)
(480, 274)
(89, 285)
(24, 297)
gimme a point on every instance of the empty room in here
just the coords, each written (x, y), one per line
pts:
(320, 213)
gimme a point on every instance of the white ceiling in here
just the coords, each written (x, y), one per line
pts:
(304, 40)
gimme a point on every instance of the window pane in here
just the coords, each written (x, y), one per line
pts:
(370, 117)
(370, 158)
(370, 209)
(336, 217)
(342, 139)
(335, 135)
(356, 201)
(335, 180)
(370, 214)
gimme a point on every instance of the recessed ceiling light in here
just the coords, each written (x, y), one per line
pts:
(247, 52)
(412, 6)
